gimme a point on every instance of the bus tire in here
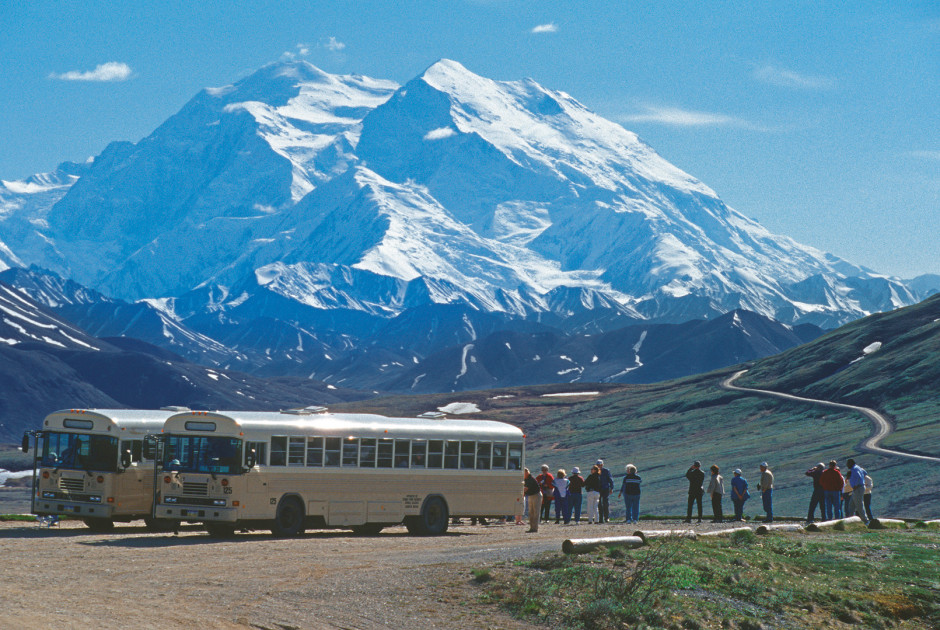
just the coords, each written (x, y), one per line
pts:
(220, 530)
(157, 525)
(369, 529)
(100, 525)
(289, 518)
(433, 520)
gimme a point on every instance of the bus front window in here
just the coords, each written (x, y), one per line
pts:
(78, 451)
(203, 454)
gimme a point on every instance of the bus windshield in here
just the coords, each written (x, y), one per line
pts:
(202, 454)
(79, 451)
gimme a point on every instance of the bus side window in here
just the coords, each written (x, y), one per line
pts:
(315, 451)
(515, 456)
(402, 453)
(418, 453)
(468, 453)
(386, 446)
(367, 453)
(452, 454)
(295, 451)
(260, 449)
(499, 456)
(436, 454)
(332, 451)
(136, 447)
(279, 451)
(351, 452)
(483, 455)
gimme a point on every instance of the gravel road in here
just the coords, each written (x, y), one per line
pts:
(67, 577)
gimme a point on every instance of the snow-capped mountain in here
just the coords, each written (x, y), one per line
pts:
(328, 208)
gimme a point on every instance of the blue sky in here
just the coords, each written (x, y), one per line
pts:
(820, 120)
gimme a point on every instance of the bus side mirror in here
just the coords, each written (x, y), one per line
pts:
(126, 459)
(25, 445)
(250, 459)
(150, 449)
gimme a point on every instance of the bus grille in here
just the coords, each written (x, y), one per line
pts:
(71, 485)
(195, 489)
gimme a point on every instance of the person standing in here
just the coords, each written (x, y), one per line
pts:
(592, 485)
(533, 497)
(739, 494)
(630, 491)
(696, 478)
(846, 496)
(856, 478)
(607, 486)
(561, 497)
(716, 490)
(869, 484)
(831, 482)
(575, 485)
(547, 484)
(766, 489)
(818, 497)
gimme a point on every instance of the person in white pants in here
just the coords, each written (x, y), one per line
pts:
(593, 487)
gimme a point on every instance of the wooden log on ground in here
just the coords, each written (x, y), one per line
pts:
(725, 532)
(934, 524)
(650, 534)
(769, 528)
(841, 525)
(886, 523)
(584, 545)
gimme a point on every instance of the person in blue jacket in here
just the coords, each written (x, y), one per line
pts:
(630, 491)
(739, 494)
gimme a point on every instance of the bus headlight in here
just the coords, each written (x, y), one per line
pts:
(170, 499)
(220, 502)
(48, 495)
(94, 498)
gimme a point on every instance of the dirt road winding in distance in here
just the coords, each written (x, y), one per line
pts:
(870, 445)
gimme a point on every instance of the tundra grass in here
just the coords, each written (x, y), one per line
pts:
(868, 579)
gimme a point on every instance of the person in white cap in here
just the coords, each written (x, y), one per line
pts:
(575, 488)
(739, 494)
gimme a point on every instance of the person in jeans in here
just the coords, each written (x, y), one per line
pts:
(766, 489)
(630, 491)
(696, 478)
(856, 479)
(533, 497)
(575, 485)
(547, 484)
(831, 482)
(716, 490)
(561, 497)
(818, 497)
(739, 494)
(607, 486)
(592, 485)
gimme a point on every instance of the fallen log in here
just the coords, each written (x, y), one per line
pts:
(841, 525)
(934, 524)
(664, 533)
(725, 532)
(780, 527)
(886, 523)
(584, 545)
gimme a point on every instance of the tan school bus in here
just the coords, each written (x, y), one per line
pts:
(289, 471)
(90, 464)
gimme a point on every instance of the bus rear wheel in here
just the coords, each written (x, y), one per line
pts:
(220, 530)
(100, 525)
(289, 518)
(433, 519)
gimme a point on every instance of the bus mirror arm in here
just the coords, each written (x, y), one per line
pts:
(250, 460)
(125, 460)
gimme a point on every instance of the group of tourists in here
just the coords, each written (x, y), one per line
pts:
(836, 495)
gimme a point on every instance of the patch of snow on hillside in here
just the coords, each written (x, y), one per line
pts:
(566, 394)
(463, 361)
(459, 408)
(872, 347)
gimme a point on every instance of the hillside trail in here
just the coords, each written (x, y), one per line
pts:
(882, 428)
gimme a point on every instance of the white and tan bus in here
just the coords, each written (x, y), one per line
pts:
(290, 471)
(91, 464)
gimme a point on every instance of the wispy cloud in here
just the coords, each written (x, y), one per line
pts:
(300, 51)
(933, 156)
(111, 71)
(440, 133)
(782, 77)
(334, 45)
(551, 27)
(677, 117)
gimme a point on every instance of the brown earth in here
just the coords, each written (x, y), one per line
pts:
(68, 577)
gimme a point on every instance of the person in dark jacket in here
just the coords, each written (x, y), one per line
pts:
(607, 486)
(547, 484)
(819, 497)
(696, 478)
(592, 485)
(832, 482)
(575, 486)
(630, 491)
(739, 494)
(533, 496)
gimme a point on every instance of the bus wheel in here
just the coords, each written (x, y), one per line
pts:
(289, 519)
(433, 519)
(100, 525)
(220, 530)
(157, 525)
(369, 529)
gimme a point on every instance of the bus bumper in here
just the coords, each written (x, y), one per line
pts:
(197, 513)
(79, 509)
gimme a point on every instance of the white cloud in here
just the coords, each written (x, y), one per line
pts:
(440, 133)
(300, 50)
(685, 118)
(111, 71)
(334, 44)
(790, 79)
(545, 28)
(926, 155)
